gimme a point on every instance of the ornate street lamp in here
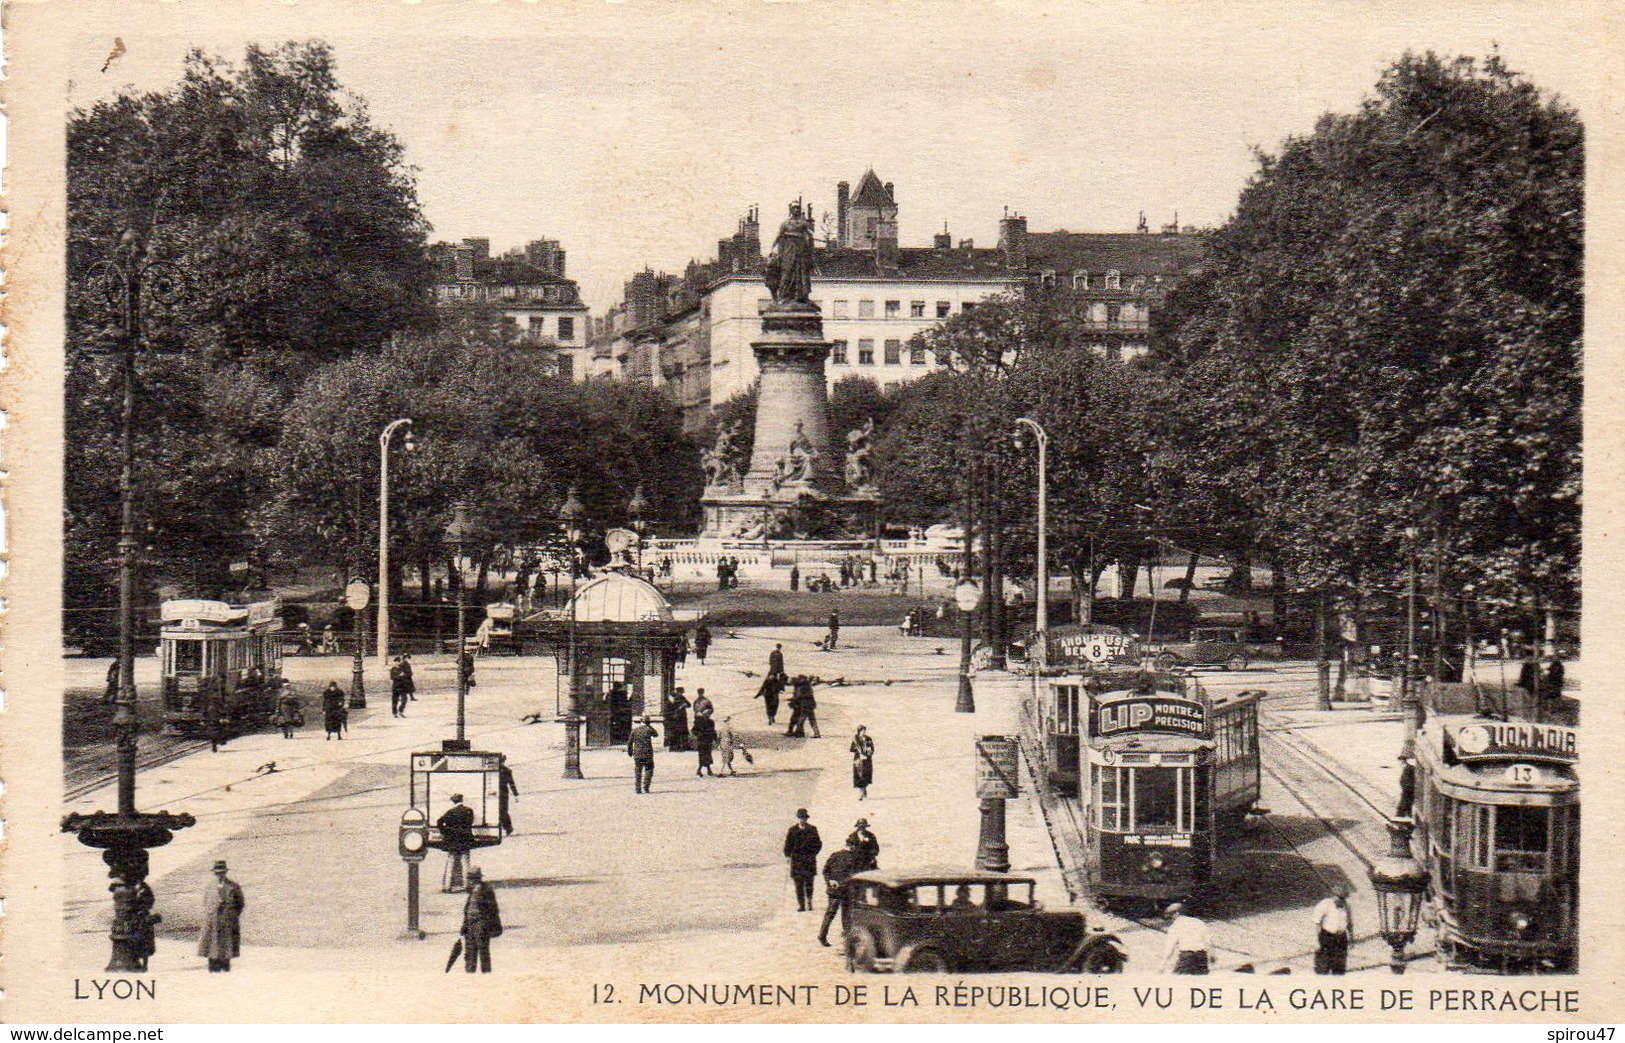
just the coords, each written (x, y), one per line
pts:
(572, 514)
(637, 512)
(1400, 882)
(125, 836)
(383, 530)
(1042, 576)
(458, 534)
(968, 598)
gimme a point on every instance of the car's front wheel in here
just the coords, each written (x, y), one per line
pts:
(1166, 661)
(1102, 959)
(922, 961)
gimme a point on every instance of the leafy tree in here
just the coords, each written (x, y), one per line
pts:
(1388, 334)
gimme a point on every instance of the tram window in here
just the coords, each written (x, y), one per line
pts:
(1520, 839)
(1156, 798)
(1066, 710)
(1473, 835)
(1109, 798)
(188, 657)
(1443, 831)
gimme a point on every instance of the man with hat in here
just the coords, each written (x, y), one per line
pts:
(482, 921)
(640, 746)
(457, 835)
(1333, 931)
(801, 846)
(222, 920)
(838, 869)
(866, 847)
(1187, 942)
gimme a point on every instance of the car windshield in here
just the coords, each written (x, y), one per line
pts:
(972, 897)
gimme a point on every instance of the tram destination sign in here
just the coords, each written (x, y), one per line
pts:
(1487, 740)
(1147, 713)
(1078, 646)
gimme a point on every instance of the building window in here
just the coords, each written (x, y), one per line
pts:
(866, 352)
(944, 308)
(763, 303)
(1114, 280)
(843, 309)
(866, 309)
(916, 309)
(537, 323)
(1114, 314)
(967, 307)
(567, 328)
(1048, 278)
(894, 309)
(916, 353)
(837, 352)
(1080, 280)
(894, 352)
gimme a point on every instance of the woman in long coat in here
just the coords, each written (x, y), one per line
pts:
(334, 714)
(676, 719)
(863, 762)
(705, 737)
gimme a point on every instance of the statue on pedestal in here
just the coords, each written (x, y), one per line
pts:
(789, 265)
(802, 456)
(718, 462)
(859, 472)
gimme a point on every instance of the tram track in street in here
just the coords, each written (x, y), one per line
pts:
(93, 771)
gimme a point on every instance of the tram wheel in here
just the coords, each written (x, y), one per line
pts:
(922, 961)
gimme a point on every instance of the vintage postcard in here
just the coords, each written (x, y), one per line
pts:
(821, 512)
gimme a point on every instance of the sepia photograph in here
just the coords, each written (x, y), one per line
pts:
(462, 459)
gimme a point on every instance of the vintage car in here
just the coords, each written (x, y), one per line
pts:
(1208, 646)
(953, 921)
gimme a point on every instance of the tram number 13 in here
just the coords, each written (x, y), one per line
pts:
(1522, 773)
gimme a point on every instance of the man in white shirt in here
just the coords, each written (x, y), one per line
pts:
(1331, 919)
(1188, 943)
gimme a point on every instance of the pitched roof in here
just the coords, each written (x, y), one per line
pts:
(871, 192)
(1132, 253)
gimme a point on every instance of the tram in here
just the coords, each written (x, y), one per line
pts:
(1172, 773)
(219, 659)
(1497, 824)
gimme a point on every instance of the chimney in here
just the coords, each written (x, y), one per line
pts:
(482, 246)
(1013, 240)
(886, 243)
(942, 240)
(890, 194)
(843, 204)
(967, 245)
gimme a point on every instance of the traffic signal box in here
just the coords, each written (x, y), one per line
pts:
(436, 776)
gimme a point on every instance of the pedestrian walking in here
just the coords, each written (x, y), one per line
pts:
(863, 762)
(772, 687)
(865, 846)
(797, 727)
(675, 717)
(838, 869)
(465, 664)
(702, 642)
(729, 743)
(775, 660)
(397, 689)
(722, 573)
(795, 578)
(1333, 932)
(705, 738)
(703, 705)
(456, 827)
(221, 940)
(801, 847)
(482, 921)
(640, 746)
(808, 708)
(1188, 944)
(506, 786)
(334, 714)
(110, 693)
(290, 713)
(330, 640)
(1407, 788)
(834, 631)
(406, 673)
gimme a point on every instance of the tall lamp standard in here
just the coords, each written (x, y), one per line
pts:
(383, 530)
(1400, 882)
(1042, 577)
(572, 514)
(637, 512)
(1408, 700)
(458, 533)
(126, 835)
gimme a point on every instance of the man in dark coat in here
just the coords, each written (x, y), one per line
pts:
(334, 713)
(705, 738)
(772, 688)
(508, 786)
(804, 707)
(838, 869)
(864, 846)
(221, 939)
(482, 921)
(640, 746)
(457, 834)
(397, 689)
(406, 672)
(801, 847)
(702, 642)
(834, 631)
(775, 660)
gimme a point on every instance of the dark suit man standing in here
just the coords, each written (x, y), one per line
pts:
(775, 660)
(838, 869)
(801, 847)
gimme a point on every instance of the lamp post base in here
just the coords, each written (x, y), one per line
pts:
(358, 683)
(572, 746)
(125, 840)
(992, 852)
(966, 703)
(1396, 962)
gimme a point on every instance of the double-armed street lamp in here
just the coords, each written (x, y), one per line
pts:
(383, 530)
(458, 533)
(1042, 576)
(125, 836)
(573, 515)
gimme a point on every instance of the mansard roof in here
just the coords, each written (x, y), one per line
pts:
(1131, 253)
(871, 192)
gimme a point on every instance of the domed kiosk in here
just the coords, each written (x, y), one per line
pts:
(617, 644)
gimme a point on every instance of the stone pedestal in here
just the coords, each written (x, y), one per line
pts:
(792, 461)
